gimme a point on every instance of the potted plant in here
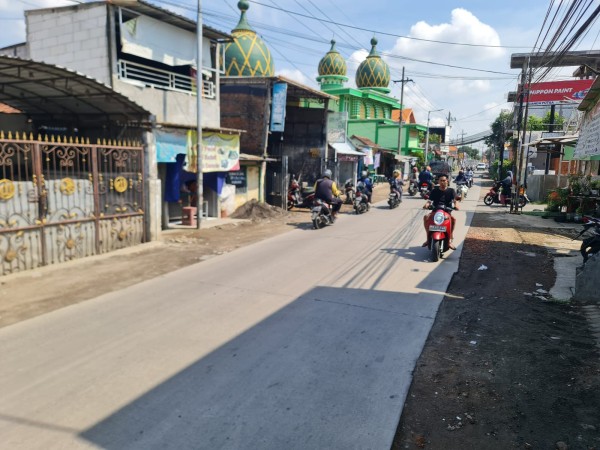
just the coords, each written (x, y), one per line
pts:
(578, 214)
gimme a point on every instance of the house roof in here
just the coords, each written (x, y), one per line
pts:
(366, 141)
(169, 17)
(51, 92)
(156, 12)
(408, 115)
(296, 91)
(6, 109)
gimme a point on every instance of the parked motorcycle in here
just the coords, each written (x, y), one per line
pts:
(321, 214)
(299, 198)
(461, 189)
(439, 228)
(413, 187)
(493, 196)
(590, 244)
(424, 190)
(394, 198)
(349, 191)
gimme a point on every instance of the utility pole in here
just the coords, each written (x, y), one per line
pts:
(199, 88)
(401, 81)
(462, 142)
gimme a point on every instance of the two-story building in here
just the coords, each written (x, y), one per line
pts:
(112, 85)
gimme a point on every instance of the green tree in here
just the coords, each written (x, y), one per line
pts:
(542, 123)
(499, 127)
(470, 152)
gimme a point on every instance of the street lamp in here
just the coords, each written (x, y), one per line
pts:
(427, 133)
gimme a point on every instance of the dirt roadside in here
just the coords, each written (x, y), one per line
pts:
(500, 370)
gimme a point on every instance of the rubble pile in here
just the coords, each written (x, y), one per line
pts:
(257, 211)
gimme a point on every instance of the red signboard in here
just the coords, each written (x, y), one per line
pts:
(552, 92)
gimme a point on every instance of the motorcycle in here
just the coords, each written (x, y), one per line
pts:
(413, 187)
(424, 190)
(394, 198)
(439, 226)
(590, 244)
(321, 214)
(361, 202)
(299, 198)
(349, 191)
(461, 189)
(469, 178)
(493, 196)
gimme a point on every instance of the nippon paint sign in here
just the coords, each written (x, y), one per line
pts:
(553, 92)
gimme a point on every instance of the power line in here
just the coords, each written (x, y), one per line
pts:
(379, 32)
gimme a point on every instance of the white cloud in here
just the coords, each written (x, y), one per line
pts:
(296, 75)
(463, 28)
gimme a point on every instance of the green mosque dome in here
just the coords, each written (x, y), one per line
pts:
(247, 55)
(373, 72)
(332, 63)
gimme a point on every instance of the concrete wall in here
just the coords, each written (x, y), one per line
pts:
(74, 38)
(18, 50)
(170, 106)
(539, 185)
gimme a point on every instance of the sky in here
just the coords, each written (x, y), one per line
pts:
(465, 74)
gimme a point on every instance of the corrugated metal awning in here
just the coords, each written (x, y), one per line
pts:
(344, 148)
(54, 93)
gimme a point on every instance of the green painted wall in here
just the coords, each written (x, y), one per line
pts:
(365, 129)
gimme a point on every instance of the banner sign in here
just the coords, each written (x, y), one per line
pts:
(278, 104)
(589, 136)
(336, 126)
(553, 92)
(220, 152)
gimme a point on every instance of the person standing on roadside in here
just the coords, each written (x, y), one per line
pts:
(505, 192)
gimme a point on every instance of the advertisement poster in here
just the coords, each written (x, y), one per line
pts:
(278, 107)
(220, 152)
(589, 136)
(553, 92)
(336, 126)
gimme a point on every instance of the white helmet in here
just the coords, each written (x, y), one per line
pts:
(364, 173)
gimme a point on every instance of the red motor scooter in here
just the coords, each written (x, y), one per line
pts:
(439, 228)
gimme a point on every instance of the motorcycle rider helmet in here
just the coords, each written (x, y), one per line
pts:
(364, 174)
(327, 173)
(396, 173)
(415, 169)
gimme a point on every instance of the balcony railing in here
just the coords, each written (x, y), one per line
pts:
(149, 76)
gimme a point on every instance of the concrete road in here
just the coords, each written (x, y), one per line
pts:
(305, 341)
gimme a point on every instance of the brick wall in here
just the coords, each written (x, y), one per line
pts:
(245, 107)
(74, 38)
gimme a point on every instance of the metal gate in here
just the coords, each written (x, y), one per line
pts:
(64, 199)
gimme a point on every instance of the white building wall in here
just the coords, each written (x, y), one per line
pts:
(170, 106)
(74, 38)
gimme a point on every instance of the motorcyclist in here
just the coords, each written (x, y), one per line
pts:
(367, 185)
(461, 178)
(396, 184)
(470, 175)
(326, 190)
(446, 196)
(426, 177)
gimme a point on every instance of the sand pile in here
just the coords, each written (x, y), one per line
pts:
(257, 211)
